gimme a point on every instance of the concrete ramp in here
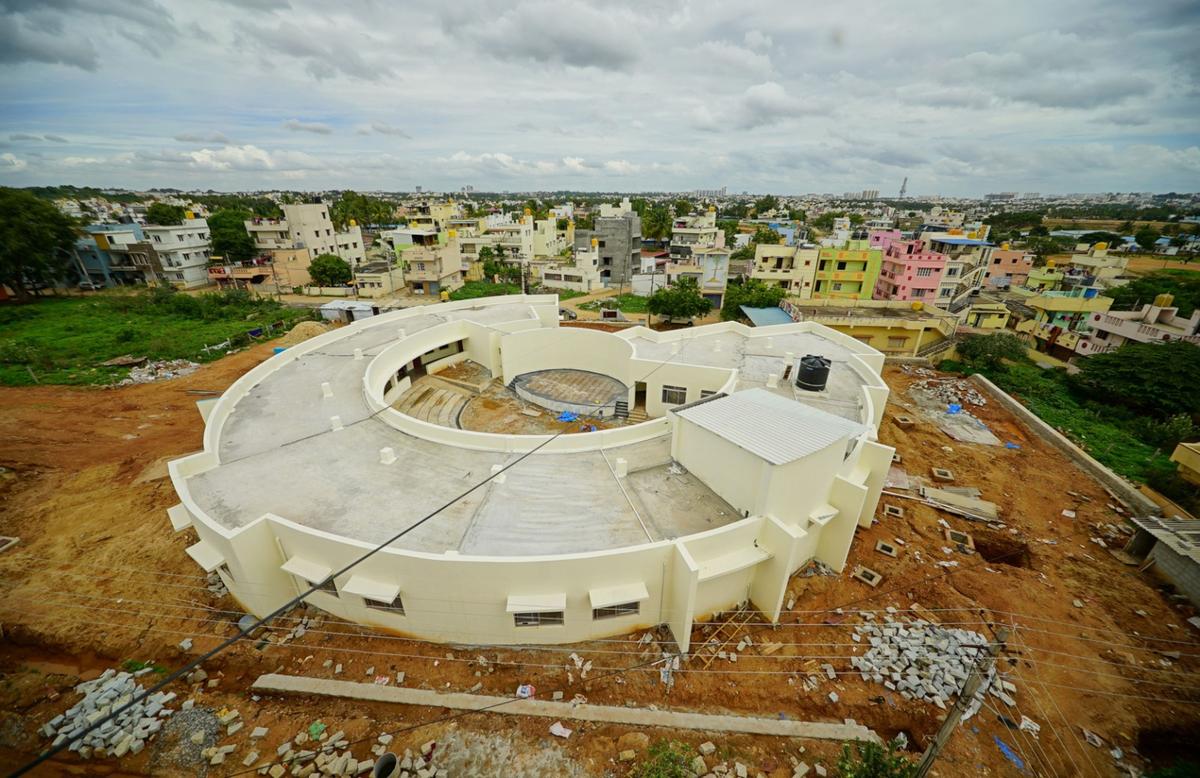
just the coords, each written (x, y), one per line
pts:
(819, 730)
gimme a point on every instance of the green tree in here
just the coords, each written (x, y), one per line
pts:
(990, 351)
(871, 760)
(36, 240)
(825, 220)
(227, 233)
(680, 300)
(330, 270)
(164, 214)
(682, 207)
(797, 215)
(1159, 379)
(656, 224)
(1183, 285)
(753, 293)
(1101, 236)
(857, 219)
(735, 210)
(362, 209)
(765, 203)
(1146, 237)
(730, 227)
(766, 235)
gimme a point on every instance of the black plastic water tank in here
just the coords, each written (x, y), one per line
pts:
(813, 373)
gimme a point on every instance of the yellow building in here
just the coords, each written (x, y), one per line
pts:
(1061, 319)
(847, 273)
(897, 328)
(986, 315)
(791, 267)
(1187, 456)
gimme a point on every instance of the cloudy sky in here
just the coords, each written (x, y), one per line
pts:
(784, 97)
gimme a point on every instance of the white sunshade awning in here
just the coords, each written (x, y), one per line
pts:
(312, 572)
(536, 603)
(372, 589)
(206, 556)
(608, 596)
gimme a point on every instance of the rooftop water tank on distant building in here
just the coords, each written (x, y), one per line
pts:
(813, 373)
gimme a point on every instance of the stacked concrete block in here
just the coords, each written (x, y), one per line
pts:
(924, 661)
(127, 733)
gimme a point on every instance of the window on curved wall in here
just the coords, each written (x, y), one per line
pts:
(538, 619)
(614, 611)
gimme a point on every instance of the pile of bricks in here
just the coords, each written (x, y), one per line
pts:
(127, 733)
(924, 661)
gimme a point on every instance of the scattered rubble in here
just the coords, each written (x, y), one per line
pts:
(159, 371)
(949, 391)
(127, 733)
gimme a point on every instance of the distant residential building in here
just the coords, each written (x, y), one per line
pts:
(96, 262)
(618, 229)
(183, 251)
(710, 193)
(870, 194)
(695, 231)
(909, 271)
(895, 328)
(580, 275)
(709, 267)
(1061, 320)
(378, 279)
(879, 238)
(1157, 322)
(1007, 268)
(432, 215)
(1102, 267)
(792, 267)
(847, 272)
(1044, 279)
(433, 268)
(966, 261)
(307, 226)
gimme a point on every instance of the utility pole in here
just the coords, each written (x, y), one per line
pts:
(960, 705)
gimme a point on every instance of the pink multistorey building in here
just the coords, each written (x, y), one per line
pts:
(881, 239)
(909, 271)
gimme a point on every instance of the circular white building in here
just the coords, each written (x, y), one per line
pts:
(735, 479)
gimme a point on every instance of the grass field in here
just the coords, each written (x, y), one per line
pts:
(1111, 440)
(64, 340)
(473, 289)
(629, 303)
(1149, 264)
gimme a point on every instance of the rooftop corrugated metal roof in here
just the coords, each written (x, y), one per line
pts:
(769, 426)
(764, 317)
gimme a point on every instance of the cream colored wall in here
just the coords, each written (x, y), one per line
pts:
(565, 348)
(797, 489)
(732, 472)
(458, 598)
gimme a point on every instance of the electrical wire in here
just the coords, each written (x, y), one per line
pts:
(243, 632)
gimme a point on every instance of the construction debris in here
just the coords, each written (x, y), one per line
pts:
(923, 661)
(866, 575)
(127, 733)
(158, 371)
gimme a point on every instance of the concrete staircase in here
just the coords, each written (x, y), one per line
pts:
(431, 403)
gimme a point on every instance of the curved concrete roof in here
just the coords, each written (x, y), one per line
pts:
(277, 454)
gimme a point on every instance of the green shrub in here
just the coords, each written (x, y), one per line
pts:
(864, 759)
(666, 759)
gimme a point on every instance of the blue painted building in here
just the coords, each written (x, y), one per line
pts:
(94, 261)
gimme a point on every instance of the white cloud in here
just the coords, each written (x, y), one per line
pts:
(621, 167)
(317, 128)
(1094, 95)
(10, 162)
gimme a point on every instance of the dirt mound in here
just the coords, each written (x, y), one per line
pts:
(302, 332)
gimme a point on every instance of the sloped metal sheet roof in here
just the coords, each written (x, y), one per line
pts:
(769, 426)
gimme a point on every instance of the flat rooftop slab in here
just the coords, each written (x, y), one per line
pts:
(279, 455)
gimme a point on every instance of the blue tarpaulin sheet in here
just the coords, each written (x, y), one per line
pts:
(1008, 752)
(567, 416)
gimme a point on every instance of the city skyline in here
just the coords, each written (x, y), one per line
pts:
(1087, 97)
